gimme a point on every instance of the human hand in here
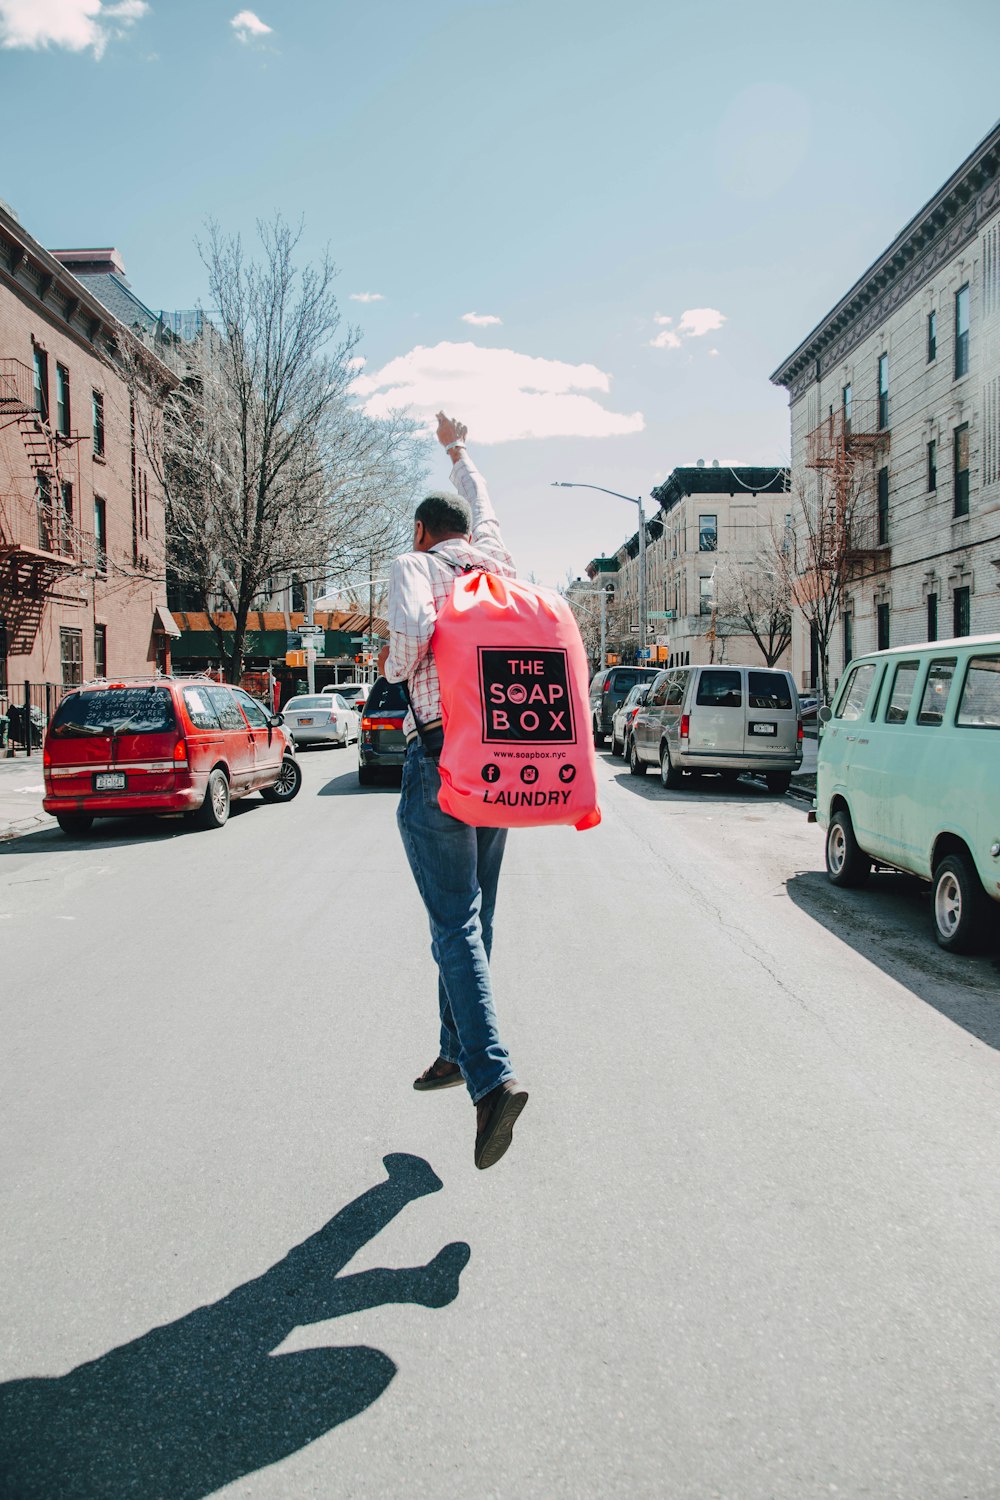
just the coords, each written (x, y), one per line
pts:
(450, 432)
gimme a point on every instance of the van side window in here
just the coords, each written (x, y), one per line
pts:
(855, 694)
(768, 690)
(720, 689)
(675, 689)
(901, 696)
(980, 705)
(225, 706)
(658, 692)
(936, 690)
(200, 711)
(252, 709)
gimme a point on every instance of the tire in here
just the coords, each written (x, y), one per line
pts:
(288, 783)
(617, 746)
(74, 825)
(367, 775)
(214, 811)
(670, 776)
(778, 782)
(846, 862)
(959, 905)
(599, 738)
(636, 766)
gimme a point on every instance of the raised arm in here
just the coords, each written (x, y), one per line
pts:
(471, 486)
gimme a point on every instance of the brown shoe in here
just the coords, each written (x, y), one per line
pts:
(496, 1115)
(440, 1075)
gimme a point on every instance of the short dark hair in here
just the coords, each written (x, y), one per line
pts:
(444, 515)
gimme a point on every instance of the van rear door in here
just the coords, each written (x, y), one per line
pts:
(772, 720)
(715, 718)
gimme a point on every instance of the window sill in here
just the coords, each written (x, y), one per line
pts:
(965, 517)
(99, 458)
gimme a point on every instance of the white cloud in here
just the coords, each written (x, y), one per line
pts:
(694, 323)
(503, 396)
(367, 297)
(481, 320)
(77, 25)
(249, 27)
(357, 362)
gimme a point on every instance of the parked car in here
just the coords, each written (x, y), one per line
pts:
(621, 720)
(808, 708)
(906, 777)
(382, 745)
(608, 690)
(729, 719)
(323, 719)
(355, 694)
(162, 745)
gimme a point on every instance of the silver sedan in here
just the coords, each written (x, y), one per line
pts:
(320, 719)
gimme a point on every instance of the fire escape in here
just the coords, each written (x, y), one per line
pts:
(853, 520)
(30, 574)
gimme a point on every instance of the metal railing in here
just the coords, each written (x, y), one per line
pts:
(25, 711)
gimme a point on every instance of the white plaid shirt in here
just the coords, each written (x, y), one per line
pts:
(421, 583)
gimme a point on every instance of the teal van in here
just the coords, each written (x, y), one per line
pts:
(908, 777)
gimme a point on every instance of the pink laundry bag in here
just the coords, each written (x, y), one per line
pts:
(518, 752)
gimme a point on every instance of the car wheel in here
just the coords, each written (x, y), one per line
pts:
(778, 782)
(635, 765)
(215, 809)
(367, 775)
(616, 746)
(75, 825)
(847, 863)
(599, 738)
(670, 775)
(288, 783)
(959, 905)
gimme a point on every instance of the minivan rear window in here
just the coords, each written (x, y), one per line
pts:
(622, 681)
(387, 698)
(980, 705)
(133, 710)
(720, 689)
(769, 690)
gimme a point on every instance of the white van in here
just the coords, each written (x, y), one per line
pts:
(908, 776)
(727, 719)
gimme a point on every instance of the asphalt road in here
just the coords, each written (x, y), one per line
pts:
(745, 1243)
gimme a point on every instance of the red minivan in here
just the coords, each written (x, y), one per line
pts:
(147, 745)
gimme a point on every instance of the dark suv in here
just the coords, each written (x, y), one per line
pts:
(381, 742)
(609, 689)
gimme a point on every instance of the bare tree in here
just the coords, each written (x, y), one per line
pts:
(753, 596)
(270, 469)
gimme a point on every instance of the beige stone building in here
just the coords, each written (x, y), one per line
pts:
(708, 517)
(897, 391)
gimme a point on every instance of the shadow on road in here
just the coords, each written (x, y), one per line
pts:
(114, 833)
(196, 1404)
(888, 922)
(702, 788)
(349, 786)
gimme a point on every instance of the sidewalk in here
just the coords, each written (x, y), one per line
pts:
(21, 791)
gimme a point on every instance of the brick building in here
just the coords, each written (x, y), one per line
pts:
(897, 392)
(708, 515)
(81, 517)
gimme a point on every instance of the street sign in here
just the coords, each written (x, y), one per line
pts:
(660, 614)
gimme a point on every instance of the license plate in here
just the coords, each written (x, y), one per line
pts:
(763, 728)
(109, 781)
(304, 721)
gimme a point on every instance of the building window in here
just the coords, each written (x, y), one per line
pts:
(101, 535)
(705, 596)
(883, 391)
(962, 611)
(932, 464)
(962, 332)
(100, 651)
(40, 377)
(931, 337)
(932, 617)
(71, 657)
(961, 466)
(881, 626)
(708, 533)
(848, 637)
(62, 399)
(883, 506)
(66, 519)
(848, 407)
(97, 410)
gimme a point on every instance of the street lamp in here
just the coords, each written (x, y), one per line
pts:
(562, 484)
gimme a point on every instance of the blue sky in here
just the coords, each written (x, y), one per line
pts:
(580, 172)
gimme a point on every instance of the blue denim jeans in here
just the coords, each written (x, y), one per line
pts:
(456, 868)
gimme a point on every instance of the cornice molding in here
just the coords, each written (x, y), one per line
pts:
(943, 227)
